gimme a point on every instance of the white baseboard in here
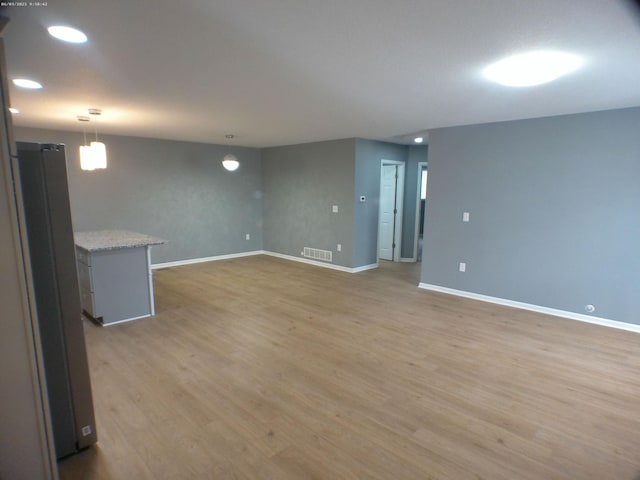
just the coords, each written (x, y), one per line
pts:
(191, 261)
(123, 321)
(320, 264)
(534, 308)
(364, 268)
(407, 259)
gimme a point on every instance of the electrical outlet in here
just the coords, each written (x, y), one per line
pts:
(334, 209)
(247, 236)
(465, 216)
(462, 267)
(339, 247)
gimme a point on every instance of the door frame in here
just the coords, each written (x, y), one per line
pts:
(421, 166)
(397, 237)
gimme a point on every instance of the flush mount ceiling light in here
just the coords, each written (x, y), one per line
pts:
(26, 83)
(230, 161)
(67, 34)
(418, 139)
(533, 68)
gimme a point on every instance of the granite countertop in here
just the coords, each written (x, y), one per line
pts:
(113, 239)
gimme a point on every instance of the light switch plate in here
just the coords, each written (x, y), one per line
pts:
(334, 209)
(465, 216)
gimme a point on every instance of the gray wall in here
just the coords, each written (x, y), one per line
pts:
(180, 192)
(554, 208)
(415, 154)
(301, 183)
(174, 190)
(368, 155)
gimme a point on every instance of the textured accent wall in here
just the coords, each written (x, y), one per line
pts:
(554, 208)
(301, 184)
(174, 190)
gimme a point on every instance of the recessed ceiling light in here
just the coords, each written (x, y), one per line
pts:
(418, 139)
(15, 111)
(533, 68)
(67, 34)
(25, 83)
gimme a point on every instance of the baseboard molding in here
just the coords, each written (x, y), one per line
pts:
(534, 308)
(407, 259)
(191, 261)
(316, 263)
(364, 268)
(123, 321)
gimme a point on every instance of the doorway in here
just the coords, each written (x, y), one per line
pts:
(390, 217)
(420, 210)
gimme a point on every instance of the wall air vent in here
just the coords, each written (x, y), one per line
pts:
(317, 254)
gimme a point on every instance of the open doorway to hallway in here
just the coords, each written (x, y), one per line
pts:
(420, 209)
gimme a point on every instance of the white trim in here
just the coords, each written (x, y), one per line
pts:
(320, 264)
(264, 252)
(152, 302)
(123, 321)
(408, 259)
(364, 268)
(215, 258)
(308, 261)
(534, 308)
(416, 231)
(399, 211)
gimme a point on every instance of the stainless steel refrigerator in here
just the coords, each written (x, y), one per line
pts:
(45, 196)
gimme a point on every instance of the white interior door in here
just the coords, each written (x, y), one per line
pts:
(387, 209)
(391, 195)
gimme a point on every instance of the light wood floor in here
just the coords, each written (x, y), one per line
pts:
(260, 368)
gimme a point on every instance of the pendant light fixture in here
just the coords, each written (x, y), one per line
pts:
(230, 161)
(94, 155)
(99, 150)
(86, 154)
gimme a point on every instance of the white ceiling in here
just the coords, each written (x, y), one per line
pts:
(278, 72)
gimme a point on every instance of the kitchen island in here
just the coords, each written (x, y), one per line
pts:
(114, 271)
